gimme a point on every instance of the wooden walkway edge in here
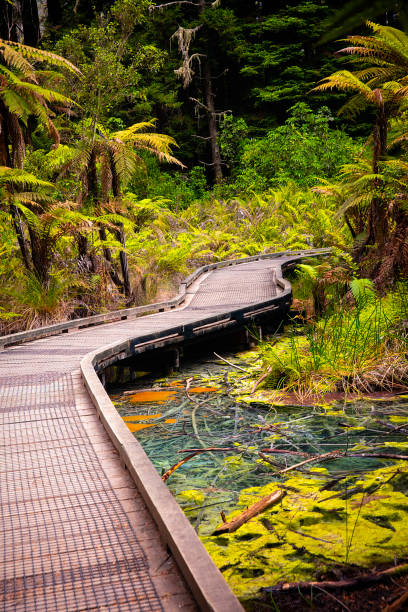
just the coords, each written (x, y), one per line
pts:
(78, 531)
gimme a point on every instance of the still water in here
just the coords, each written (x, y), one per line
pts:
(197, 408)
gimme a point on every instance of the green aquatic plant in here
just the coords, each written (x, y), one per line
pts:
(341, 507)
(306, 533)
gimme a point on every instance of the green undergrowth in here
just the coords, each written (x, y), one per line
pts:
(166, 245)
(360, 348)
(362, 521)
(172, 241)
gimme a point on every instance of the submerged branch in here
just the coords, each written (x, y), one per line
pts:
(284, 452)
(325, 457)
(230, 363)
(381, 456)
(260, 379)
(174, 467)
(204, 450)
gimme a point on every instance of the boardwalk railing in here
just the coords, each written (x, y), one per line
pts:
(138, 311)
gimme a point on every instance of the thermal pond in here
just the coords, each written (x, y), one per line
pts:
(340, 505)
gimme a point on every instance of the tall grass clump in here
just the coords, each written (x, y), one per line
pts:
(358, 347)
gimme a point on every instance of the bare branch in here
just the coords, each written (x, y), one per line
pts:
(153, 7)
(207, 110)
(209, 164)
(200, 104)
(201, 137)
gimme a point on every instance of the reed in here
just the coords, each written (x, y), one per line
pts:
(359, 348)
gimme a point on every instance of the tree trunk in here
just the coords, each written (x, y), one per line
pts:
(212, 122)
(40, 256)
(377, 218)
(4, 145)
(108, 256)
(8, 25)
(211, 116)
(82, 242)
(85, 258)
(17, 141)
(127, 289)
(124, 261)
(19, 22)
(5, 160)
(31, 22)
(22, 242)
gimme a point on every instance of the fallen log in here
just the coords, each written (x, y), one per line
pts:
(398, 570)
(260, 506)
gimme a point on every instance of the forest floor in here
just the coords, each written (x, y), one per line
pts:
(390, 596)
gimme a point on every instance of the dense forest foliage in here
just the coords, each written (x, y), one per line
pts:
(140, 139)
(263, 149)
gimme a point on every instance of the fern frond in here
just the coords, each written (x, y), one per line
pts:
(363, 291)
(30, 217)
(48, 75)
(49, 95)
(136, 127)
(355, 105)
(376, 74)
(345, 81)
(161, 155)
(16, 60)
(64, 215)
(355, 201)
(16, 104)
(159, 141)
(33, 197)
(113, 219)
(39, 55)
(125, 161)
(394, 37)
(21, 179)
(157, 144)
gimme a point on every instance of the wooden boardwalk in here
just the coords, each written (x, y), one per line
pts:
(75, 532)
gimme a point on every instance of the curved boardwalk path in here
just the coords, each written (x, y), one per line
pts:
(75, 532)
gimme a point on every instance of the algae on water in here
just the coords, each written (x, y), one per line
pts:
(310, 531)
